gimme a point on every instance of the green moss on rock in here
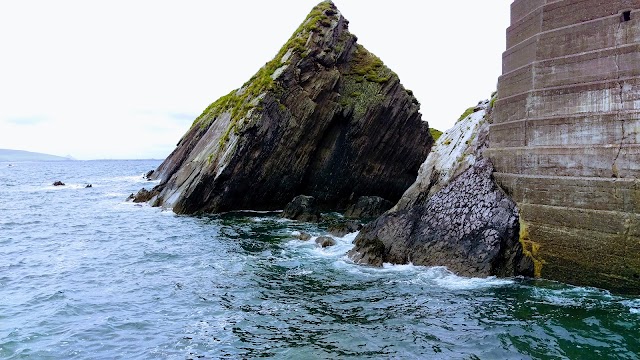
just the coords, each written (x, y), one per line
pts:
(239, 102)
(466, 113)
(368, 67)
(435, 134)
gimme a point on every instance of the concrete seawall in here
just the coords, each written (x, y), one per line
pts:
(565, 140)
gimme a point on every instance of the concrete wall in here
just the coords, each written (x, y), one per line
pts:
(565, 138)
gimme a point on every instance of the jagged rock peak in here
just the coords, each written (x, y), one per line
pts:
(325, 118)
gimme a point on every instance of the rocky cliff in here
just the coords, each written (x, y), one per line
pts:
(454, 215)
(566, 137)
(324, 118)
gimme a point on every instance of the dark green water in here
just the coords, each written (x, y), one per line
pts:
(84, 275)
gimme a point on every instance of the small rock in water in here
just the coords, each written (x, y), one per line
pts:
(325, 241)
(304, 236)
(58, 183)
(143, 195)
(344, 228)
(89, 186)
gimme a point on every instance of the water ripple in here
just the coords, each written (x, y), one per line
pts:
(84, 275)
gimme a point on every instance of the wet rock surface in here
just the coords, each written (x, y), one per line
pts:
(325, 241)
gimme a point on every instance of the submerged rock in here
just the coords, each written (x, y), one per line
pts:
(368, 207)
(302, 208)
(325, 241)
(325, 118)
(454, 215)
(303, 236)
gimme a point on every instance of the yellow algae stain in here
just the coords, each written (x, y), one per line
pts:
(531, 249)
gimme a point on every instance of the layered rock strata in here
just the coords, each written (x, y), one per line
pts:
(324, 118)
(454, 215)
(566, 137)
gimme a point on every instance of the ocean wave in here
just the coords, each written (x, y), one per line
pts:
(633, 305)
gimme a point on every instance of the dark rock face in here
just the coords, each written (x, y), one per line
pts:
(302, 208)
(368, 207)
(324, 118)
(470, 226)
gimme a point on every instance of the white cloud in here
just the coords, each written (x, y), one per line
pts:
(125, 79)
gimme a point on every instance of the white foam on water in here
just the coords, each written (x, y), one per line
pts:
(298, 272)
(633, 305)
(442, 277)
(116, 195)
(338, 251)
(437, 276)
(131, 179)
(572, 295)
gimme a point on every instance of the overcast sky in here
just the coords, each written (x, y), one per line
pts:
(125, 79)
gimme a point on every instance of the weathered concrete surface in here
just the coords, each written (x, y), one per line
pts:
(324, 118)
(454, 215)
(565, 141)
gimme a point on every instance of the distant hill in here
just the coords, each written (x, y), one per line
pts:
(20, 155)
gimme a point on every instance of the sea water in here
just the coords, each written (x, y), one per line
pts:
(86, 275)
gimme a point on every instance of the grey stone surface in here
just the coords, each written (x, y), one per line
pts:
(470, 226)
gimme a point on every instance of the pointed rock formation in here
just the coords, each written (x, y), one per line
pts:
(325, 118)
